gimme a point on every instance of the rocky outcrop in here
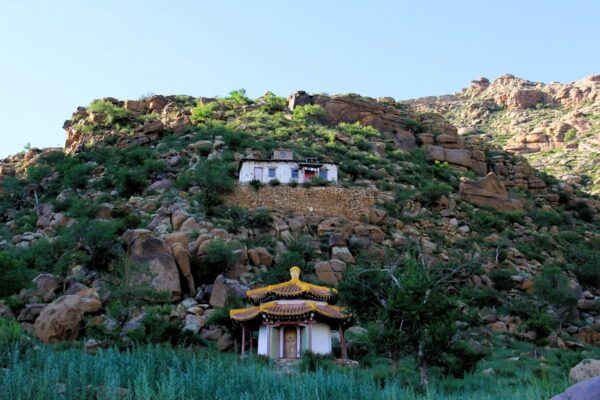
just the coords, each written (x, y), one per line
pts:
(488, 192)
(397, 124)
(381, 114)
(547, 123)
(260, 256)
(586, 390)
(179, 245)
(147, 249)
(588, 335)
(224, 288)
(586, 369)
(60, 320)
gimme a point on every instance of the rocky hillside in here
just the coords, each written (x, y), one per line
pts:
(133, 231)
(555, 126)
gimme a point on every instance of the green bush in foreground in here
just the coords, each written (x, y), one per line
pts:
(164, 372)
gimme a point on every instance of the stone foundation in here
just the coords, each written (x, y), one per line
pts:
(353, 204)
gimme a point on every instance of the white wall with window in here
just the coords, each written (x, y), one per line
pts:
(285, 171)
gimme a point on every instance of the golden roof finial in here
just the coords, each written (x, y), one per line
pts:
(295, 272)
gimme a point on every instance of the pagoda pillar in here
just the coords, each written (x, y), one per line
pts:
(310, 336)
(243, 340)
(268, 340)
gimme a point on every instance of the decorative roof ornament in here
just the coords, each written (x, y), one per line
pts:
(293, 300)
(293, 289)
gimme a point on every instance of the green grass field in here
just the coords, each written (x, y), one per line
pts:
(163, 372)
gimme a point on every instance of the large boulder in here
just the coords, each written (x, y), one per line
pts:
(224, 288)
(179, 245)
(162, 273)
(586, 369)
(586, 390)
(342, 254)
(588, 335)
(325, 273)
(488, 192)
(260, 256)
(377, 216)
(335, 225)
(30, 312)
(372, 232)
(60, 320)
(45, 283)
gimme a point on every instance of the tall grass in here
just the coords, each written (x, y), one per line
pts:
(162, 372)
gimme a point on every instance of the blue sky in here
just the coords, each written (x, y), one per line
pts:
(57, 55)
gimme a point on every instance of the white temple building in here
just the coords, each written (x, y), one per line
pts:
(282, 167)
(292, 317)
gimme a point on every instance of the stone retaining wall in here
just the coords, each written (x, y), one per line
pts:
(353, 204)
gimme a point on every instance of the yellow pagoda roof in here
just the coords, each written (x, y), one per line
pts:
(278, 311)
(294, 288)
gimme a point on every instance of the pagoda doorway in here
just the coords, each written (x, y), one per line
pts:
(290, 349)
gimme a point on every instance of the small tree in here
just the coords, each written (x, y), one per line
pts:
(552, 285)
(218, 257)
(214, 177)
(408, 309)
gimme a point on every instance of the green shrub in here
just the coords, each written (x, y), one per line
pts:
(485, 221)
(308, 112)
(315, 182)
(358, 130)
(434, 190)
(584, 258)
(76, 176)
(303, 245)
(214, 177)
(218, 257)
(203, 111)
(273, 103)
(36, 173)
(238, 97)
(274, 182)
(11, 338)
(547, 217)
(521, 307)
(255, 184)
(588, 274)
(25, 220)
(553, 286)
(113, 113)
(261, 219)
(542, 324)
(482, 297)
(414, 125)
(570, 135)
(78, 207)
(584, 211)
(312, 362)
(502, 279)
(220, 316)
(130, 181)
(514, 216)
(14, 275)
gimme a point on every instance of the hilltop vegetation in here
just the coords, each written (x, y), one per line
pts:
(497, 276)
(555, 126)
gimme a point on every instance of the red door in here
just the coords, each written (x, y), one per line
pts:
(308, 175)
